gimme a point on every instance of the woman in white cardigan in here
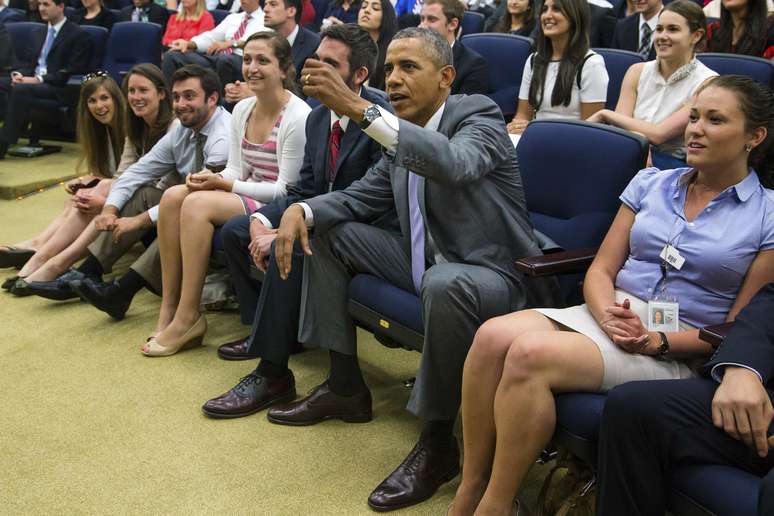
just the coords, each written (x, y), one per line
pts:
(265, 156)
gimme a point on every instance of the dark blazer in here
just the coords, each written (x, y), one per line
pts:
(603, 22)
(471, 197)
(356, 155)
(627, 35)
(156, 14)
(11, 15)
(6, 51)
(472, 71)
(105, 18)
(70, 54)
(304, 46)
(751, 339)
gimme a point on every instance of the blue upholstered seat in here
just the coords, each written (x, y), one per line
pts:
(762, 70)
(472, 23)
(617, 63)
(131, 43)
(505, 55)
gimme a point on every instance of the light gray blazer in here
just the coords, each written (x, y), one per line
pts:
(473, 198)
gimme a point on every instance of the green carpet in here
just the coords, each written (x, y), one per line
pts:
(22, 176)
(90, 426)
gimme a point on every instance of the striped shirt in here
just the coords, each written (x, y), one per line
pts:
(260, 160)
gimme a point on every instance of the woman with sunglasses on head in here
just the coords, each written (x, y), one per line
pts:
(745, 27)
(101, 138)
(148, 118)
(655, 95)
(268, 134)
(564, 78)
(695, 243)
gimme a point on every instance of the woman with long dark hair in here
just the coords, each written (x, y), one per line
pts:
(714, 220)
(378, 18)
(519, 18)
(654, 95)
(101, 139)
(563, 79)
(265, 156)
(745, 27)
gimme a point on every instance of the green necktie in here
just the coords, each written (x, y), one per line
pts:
(199, 156)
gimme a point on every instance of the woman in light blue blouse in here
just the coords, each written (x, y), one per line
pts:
(719, 220)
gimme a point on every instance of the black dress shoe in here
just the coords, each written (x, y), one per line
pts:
(426, 468)
(58, 289)
(322, 404)
(236, 350)
(20, 288)
(103, 296)
(15, 257)
(252, 394)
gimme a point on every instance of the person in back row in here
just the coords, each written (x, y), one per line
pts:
(450, 171)
(56, 52)
(337, 153)
(563, 79)
(696, 243)
(745, 27)
(378, 18)
(654, 95)
(219, 48)
(201, 137)
(444, 17)
(266, 151)
(635, 33)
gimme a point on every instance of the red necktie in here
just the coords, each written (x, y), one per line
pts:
(334, 141)
(238, 34)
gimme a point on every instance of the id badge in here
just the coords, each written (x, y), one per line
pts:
(672, 256)
(663, 316)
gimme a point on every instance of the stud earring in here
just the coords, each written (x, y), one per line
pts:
(748, 148)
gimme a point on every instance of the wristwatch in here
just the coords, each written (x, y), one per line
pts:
(235, 44)
(370, 114)
(663, 348)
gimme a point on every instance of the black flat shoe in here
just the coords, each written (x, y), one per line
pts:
(7, 284)
(14, 257)
(20, 288)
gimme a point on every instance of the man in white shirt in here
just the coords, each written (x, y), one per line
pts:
(635, 32)
(219, 48)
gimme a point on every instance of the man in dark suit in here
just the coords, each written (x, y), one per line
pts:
(444, 17)
(648, 427)
(635, 32)
(58, 51)
(145, 11)
(602, 25)
(351, 51)
(6, 53)
(282, 16)
(450, 172)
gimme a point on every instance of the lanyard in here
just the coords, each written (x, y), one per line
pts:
(661, 286)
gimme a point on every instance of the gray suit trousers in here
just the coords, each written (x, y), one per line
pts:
(148, 265)
(456, 299)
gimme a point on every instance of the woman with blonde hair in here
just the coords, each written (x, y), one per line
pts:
(190, 21)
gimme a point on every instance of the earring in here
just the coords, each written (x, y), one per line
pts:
(748, 147)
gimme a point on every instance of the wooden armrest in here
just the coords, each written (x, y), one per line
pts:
(563, 262)
(715, 334)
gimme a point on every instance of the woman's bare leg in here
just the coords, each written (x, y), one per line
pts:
(71, 226)
(168, 226)
(538, 365)
(38, 240)
(201, 212)
(59, 264)
(481, 376)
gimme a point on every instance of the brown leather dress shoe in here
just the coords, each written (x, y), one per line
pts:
(236, 350)
(252, 394)
(420, 475)
(322, 404)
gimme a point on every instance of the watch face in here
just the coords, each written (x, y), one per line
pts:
(371, 113)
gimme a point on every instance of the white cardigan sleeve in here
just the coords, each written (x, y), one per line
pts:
(291, 139)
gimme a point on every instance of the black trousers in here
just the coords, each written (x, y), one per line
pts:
(271, 308)
(650, 427)
(18, 99)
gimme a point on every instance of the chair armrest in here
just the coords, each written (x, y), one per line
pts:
(715, 334)
(562, 262)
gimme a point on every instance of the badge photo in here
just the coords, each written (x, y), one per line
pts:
(663, 316)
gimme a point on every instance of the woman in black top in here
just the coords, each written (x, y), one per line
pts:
(94, 12)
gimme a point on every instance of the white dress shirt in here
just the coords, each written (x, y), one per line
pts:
(225, 30)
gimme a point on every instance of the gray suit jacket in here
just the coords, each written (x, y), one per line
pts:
(473, 198)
